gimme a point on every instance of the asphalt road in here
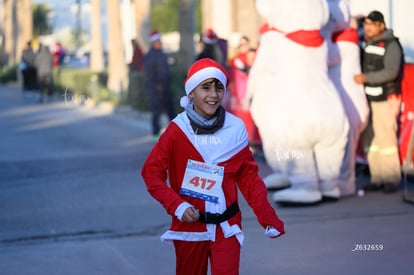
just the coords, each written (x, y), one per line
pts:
(72, 202)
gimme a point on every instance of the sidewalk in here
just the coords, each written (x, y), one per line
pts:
(70, 100)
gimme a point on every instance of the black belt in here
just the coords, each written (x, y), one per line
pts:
(215, 218)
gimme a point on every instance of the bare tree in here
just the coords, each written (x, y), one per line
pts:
(117, 68)
(97, 62)
(3, 57)
(25, 25)
(17, 26)
(142, 21)
(186, 29)
(9, 21)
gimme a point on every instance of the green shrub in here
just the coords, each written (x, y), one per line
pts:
(137, 96)
(8, 74)
(72, 79)
(83, 82)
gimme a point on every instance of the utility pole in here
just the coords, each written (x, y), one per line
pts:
(78, 24)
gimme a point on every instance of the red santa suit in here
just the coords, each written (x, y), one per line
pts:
(176, 146)
(239, 67)
(226, 148)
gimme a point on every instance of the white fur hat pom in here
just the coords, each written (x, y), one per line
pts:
(184, 101)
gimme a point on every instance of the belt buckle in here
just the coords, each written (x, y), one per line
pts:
(216, 218)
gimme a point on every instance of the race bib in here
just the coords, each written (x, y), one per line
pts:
(202, 181)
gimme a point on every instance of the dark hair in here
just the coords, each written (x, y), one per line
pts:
(376, 16)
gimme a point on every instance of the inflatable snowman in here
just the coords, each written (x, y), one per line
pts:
(295, 105)
(343, 64)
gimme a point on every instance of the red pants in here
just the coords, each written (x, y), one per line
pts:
(192, 257)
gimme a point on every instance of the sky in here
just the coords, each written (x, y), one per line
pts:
(65, 13)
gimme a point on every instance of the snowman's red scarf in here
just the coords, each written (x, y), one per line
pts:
(348, 35)
(308, 38)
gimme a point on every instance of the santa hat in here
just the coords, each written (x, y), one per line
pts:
(154, 36)
(209, 36)
(201, 70)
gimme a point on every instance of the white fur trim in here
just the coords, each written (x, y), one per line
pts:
(220, 146)
(179, 212)
(208, 40)
(271, 232)
(170, 235)
(210, 235)
(201, 75)
(155, 37)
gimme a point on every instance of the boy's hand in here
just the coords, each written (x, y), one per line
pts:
(191, 215)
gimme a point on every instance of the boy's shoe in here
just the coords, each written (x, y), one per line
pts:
(155, 137)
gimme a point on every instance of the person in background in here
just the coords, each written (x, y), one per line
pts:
(44, 66)
(28, 68)
(157, 82)
(210, 47)
(137, 57)
(58, 53)
(244, 57)
(204, 153)
(382, 67)
(240, 66)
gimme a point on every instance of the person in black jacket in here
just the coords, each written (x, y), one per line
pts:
(210, 47)
(28, 68)
(382, 67)
(157, 82)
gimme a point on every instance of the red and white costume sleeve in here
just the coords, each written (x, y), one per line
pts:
(228, 147)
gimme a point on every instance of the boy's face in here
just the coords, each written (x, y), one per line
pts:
(207, 97)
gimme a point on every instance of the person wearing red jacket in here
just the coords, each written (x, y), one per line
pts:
(205, 157)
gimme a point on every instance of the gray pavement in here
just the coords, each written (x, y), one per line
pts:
(72, 202)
